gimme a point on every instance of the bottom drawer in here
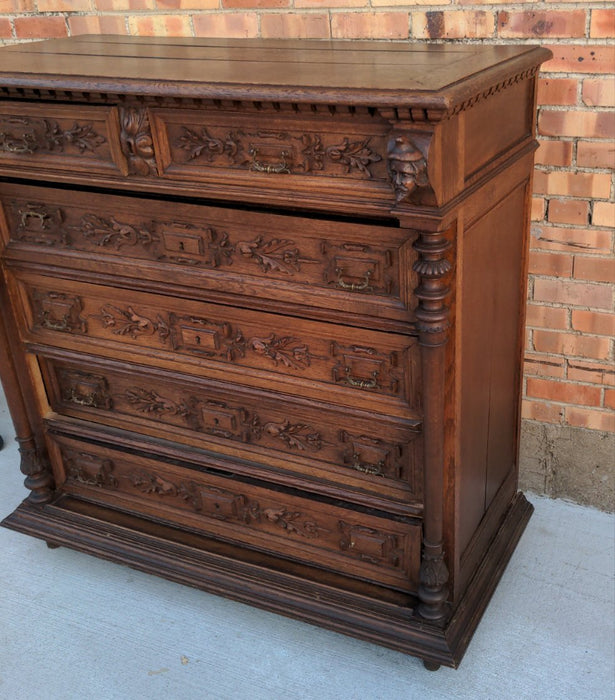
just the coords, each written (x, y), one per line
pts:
(351, 542)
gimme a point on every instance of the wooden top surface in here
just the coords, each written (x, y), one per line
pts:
(346, 72)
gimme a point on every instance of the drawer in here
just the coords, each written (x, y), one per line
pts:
(351, 450)
(61, 138)
(328, 536)
(274, 149)
(366, 368)
(327, 264)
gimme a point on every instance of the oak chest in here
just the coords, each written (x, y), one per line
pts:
(262, 318)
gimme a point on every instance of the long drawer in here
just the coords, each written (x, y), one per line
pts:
(358, 544)
(350, 267)
(370, 369)
(346, 451)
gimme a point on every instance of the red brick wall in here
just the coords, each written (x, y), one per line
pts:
(569, 374)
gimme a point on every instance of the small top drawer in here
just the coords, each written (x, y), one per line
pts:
(67, 138)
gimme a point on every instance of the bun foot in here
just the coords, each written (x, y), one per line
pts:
(431, 665)
(52, 545)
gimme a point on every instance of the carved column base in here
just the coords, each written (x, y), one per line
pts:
(433, 591)
(38, 475)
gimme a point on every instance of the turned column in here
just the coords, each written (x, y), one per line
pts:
(433, 324)
(33, 464)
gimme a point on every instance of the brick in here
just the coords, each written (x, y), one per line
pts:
(320, 4)
(593, 322)
(594, 269)
(42, 27)
(187, 4)
(596, 296)
(20, 6)
(541, 411)
(227, 24)
(557, 91)
(370, 25)
(549, 23)
(589, 124)
(124, 5)
(538, 208)
(591, 372)
(590, 185)
(405, 3)
(546, 317)
(569, 211)
(557, 153)
(563, 392)
(6, 30)
(569, 58)
(595, 154)
(160, 25)
(552, 264)
(603, 214)
(63, 5)
(254, 4)
(602, 24)
(451, 24)
(598, 92)
(292, 24)
(572, 344)
(595, 241)
(539, 365)
(592, 419)
(97, 24)
(609, 398)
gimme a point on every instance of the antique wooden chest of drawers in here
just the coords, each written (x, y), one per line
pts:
(262, 318)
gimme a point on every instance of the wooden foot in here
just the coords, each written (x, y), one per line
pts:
(431, 665)
(52, 545)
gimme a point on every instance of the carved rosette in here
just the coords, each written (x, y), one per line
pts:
(406, 165)
(136, 141)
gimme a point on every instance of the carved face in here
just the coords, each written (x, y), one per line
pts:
(406, 165)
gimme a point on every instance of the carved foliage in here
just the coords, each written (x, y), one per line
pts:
(28, 135)
(277, 152)
(136, 141)
(111, 232)
(406, 165)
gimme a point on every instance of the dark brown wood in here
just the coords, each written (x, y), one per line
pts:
(261, 333)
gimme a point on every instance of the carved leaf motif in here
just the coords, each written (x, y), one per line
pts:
(298, 436)
(203, 144)
(29, 135)
(276, 254)
(293, 522)
(110, 232)
(129, 322)
(147, 401)
(286, 350)
(354, 155)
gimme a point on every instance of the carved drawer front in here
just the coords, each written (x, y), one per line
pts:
(328, 536)
(328, 264)
(61, 138)
(362, 367)
(353, 450)
(335, 154)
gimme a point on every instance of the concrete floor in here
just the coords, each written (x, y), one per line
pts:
(76, 628)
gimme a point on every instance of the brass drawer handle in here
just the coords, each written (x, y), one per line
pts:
(374, 469)
(362, 383)
(281, 167)
(353, 286)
